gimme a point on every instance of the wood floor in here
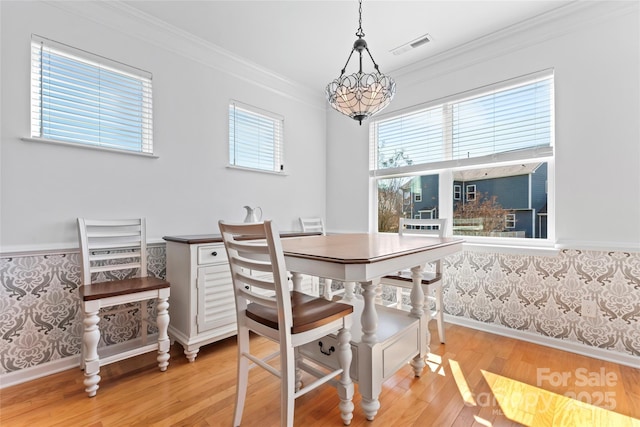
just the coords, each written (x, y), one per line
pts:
(476, 379)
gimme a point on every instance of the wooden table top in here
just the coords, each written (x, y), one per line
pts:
(362, 247)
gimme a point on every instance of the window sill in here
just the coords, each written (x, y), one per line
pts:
(548, 250)
(90, 147)
(257, 170)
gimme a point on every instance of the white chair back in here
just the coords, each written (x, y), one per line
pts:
(312, 224)
(432, 227)
(112, 245)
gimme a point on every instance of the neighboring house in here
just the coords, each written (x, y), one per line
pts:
(520, 189)
(421, 197)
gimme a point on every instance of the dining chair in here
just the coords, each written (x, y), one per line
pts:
(431, 280)
(266, 306)
(315, 224)
(114, 274)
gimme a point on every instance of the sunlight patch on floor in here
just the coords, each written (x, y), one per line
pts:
(434, 362)
(534, 406)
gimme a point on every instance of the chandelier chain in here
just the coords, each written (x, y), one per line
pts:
(360, 33)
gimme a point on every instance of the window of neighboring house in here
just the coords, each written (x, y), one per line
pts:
(494, 143)
(457, 192)
(471, 193)
(255, 138)
(84, 99)
(417, 197)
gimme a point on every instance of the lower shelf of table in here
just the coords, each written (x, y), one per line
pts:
(398, 341)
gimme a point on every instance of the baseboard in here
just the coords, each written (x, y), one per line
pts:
(39, 371)
(572, 347)
(108, 354)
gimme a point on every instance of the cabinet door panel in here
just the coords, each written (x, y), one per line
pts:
(216, 305)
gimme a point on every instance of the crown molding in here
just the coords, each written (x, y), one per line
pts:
(128, 20)
(544, 27)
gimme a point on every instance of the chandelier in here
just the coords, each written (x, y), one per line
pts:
(360, 95)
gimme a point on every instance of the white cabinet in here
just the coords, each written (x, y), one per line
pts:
(202, 308)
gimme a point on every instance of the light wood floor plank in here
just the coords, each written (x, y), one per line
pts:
(476, 379)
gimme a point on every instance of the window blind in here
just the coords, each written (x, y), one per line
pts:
(82, 98)
(507, 121)
(255, 138)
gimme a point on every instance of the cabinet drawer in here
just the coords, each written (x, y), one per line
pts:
(325, 355)
(213, 254)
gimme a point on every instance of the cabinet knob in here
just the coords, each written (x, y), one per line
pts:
(214, 253)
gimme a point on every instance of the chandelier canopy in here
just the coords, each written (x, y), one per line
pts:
(360, 95)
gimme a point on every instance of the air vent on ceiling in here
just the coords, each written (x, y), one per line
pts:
(422, 40)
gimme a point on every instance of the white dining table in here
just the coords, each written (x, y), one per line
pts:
(388, 338)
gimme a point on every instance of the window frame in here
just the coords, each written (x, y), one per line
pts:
(445, 170)
(277, 151)
(457, 192)
(470, 192)
(140, 119)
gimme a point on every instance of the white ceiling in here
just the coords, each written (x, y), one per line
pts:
(309, 41)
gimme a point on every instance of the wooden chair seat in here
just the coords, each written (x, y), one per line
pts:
(116, 288)
(308, 312)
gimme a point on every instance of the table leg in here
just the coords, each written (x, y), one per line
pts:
(370, 379)
(417, 310)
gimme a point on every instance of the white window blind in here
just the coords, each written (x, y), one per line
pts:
(255, 138)
(506, 121)
(81, 98)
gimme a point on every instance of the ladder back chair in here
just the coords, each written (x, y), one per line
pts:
(315, 224)
(431, 280)
(114, 272)
(265, 305)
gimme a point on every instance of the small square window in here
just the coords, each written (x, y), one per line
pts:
(471, 193)
(255, 138)
(457, 192)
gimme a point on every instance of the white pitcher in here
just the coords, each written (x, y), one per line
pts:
(252, 214)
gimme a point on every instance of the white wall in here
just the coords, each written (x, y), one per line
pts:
(188, 188)
(594, 49)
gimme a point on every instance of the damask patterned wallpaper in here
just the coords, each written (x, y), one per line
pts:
(40, 316)
(544, 295)
(40, 319)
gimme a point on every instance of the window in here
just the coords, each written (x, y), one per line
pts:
(471, 193)
(417, 197)
(81, 98)
(494, 143)
(457, 192)
(255, 138)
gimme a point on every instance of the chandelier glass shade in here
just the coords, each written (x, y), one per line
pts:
(360, 95)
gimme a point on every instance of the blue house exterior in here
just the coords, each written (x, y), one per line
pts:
(421, 197)
(522, 192)
(519, 189)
